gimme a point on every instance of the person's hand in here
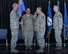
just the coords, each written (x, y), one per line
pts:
(20, 15)
(35, 13)
(59, 28)
(20, 23)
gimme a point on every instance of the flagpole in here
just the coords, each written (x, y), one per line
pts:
(64, 34)
(48, 35)
(64, 31)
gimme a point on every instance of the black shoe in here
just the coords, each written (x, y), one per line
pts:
(14, 51)
(41, 50)
(57, 48)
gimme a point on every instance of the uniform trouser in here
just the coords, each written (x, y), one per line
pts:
(28, 35)
(40, 39)
(14, 38)
(58, 37)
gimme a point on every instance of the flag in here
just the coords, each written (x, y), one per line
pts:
(67, 29)
(49, 18)
(21, 7)
(58, 5)
(65, 21)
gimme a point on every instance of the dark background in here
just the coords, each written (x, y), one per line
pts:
(6, 7)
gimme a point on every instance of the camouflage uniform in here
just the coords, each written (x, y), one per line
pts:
(39, 26)
(27, 29)
(58, 22)
(14, 25)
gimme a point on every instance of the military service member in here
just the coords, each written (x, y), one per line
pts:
(57, 25)
(14, 25)
(27, 28)
(39, 26)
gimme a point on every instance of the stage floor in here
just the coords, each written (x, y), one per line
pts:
(48, 50)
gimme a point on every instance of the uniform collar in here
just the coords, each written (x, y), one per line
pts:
(57, 12)
(27, 15)
(13, 10)
(40, 13)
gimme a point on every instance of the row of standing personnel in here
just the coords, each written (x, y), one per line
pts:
(34, 24)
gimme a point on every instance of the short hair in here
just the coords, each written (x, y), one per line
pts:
(27, 8)
(40, 8)
(56, 5)
(14, 4)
